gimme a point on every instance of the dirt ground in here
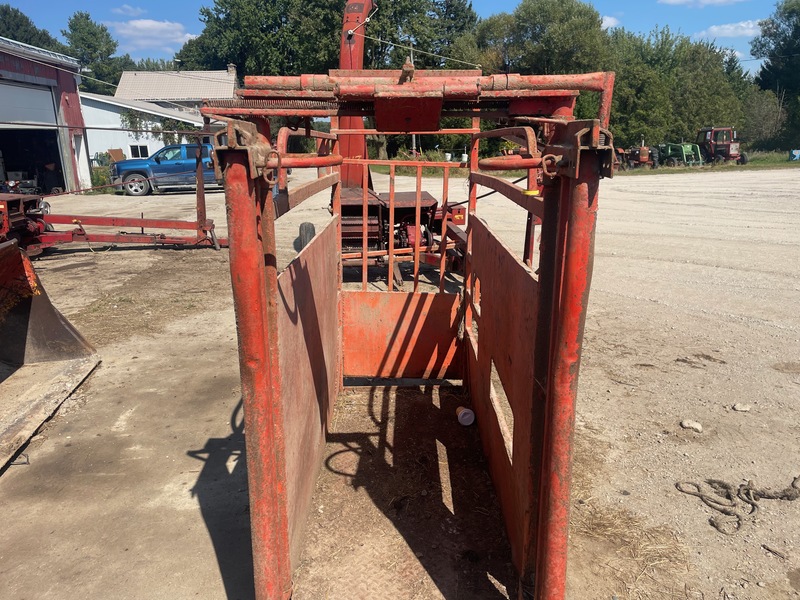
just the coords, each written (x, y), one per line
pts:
(137, 487)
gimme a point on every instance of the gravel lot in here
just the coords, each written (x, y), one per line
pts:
(136, 488)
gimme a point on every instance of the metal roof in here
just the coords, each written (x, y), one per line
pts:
(176, 85)
(192, 117)
(35, 53)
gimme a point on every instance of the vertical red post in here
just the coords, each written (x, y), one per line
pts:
(472, 207)
(575, 280)
(201, 191)
(263, 423)
(351, 56)
(390, 281)
(530, 227)
(364, 228)
(443, 242)
(417, 226)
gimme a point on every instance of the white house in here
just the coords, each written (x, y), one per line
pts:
(104, 114)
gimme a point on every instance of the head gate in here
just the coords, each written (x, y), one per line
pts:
(502, 323)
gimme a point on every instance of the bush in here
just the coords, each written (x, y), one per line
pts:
(101, 176)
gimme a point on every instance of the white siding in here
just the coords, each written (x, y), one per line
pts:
(101, 114)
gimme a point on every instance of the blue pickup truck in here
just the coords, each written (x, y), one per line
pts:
(171, 167)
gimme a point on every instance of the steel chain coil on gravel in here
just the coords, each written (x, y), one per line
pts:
(741, 504)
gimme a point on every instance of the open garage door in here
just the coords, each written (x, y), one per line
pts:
(30, 151)
(26, 104)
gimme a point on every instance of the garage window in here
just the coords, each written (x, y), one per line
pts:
(139, 152)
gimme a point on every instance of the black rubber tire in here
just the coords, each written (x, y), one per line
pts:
(672, 162)
(307, 233)
(428, 234)
(136, 184)
(743, 158)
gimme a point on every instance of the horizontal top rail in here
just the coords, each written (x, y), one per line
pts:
(468, 131)
(531, 202)
(405, 163)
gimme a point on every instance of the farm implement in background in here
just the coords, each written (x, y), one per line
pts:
(680, 155)
(26, 219)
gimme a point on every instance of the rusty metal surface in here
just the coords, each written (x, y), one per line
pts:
(351, 56)
(400, 335)
(308, 334)
(574, 255)
(22, 218)
(43, 358)
(504, 281)
(522, 322)
(256, 316)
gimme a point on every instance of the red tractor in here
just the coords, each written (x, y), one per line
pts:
(719, 144)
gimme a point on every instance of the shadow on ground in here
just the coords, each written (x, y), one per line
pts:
(404, 507)
(221, 491)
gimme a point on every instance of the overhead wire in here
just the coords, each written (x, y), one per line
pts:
(64, 69)
(413, 49)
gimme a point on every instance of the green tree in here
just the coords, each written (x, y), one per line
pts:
(289, 37)
(265, 37)
(495, 39)
(764, 118)
(701, 90)
(642, 106)
(454, 18)
(558, 36)
(154, 64)
(91, 43)
(15, 25)
(779, 46)
(546, 37)
(669, 86)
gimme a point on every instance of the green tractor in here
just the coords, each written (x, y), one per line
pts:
(674, 155)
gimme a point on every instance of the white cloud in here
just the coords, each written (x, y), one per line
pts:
(128, 10)
(729, 30)
(700, 3)
(609, 22)
(148, 34)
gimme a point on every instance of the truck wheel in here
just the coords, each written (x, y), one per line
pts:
(136, 184)
(743, 159)
(307, 233)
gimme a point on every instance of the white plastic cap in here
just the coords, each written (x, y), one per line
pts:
(465, 416)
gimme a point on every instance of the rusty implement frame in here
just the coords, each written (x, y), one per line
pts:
(21, 219)
(517, 315)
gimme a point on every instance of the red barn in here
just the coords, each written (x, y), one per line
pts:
(42, 135)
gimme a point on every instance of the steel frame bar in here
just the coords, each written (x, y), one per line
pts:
(405, 163)
(576, 249)
(253, 277)
(417, 224)
(390, 272)
(468, 131)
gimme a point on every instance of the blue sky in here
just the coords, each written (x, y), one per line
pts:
(156, 29)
